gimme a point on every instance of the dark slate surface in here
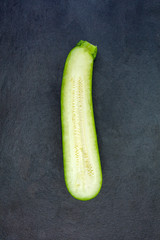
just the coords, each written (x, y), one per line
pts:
(35, 38)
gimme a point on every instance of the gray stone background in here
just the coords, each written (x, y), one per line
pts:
(35, 38)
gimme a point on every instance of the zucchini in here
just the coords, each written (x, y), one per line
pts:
(81, 160)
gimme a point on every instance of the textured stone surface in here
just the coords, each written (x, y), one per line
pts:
(35, 38)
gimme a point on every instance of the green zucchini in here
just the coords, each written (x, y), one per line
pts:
(81, 160)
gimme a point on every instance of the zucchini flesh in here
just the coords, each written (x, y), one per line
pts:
(81, 160)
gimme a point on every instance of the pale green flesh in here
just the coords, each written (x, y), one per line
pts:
(82, 168)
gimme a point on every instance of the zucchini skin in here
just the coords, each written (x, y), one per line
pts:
(91, 50)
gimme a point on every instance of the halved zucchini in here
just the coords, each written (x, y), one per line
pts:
(81, 160)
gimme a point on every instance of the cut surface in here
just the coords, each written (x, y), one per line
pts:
(82, 168)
